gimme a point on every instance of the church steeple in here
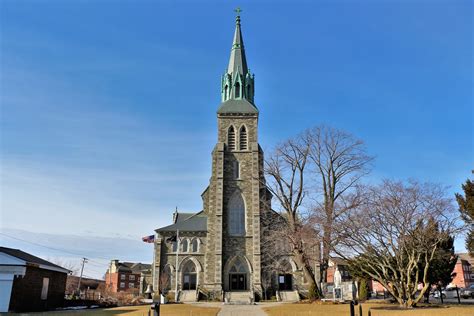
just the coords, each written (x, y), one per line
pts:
(237, 61)
(237, 82)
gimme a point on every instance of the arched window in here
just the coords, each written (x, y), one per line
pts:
(236, 215)
(243, 138)
(226, 91)
(195, 245)
(237, 90)
(231, 138)
(189, 276)
(185, 245)
(239, 266)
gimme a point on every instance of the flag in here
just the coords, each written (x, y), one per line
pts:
(171, 239)
(149, 239)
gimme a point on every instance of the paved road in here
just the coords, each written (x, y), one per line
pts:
(453, 300)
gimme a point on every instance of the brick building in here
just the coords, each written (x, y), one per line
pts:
(125, 276)
(463, 272)
(221, 250)
(29, 283)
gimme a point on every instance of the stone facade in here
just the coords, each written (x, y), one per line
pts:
(236, 211)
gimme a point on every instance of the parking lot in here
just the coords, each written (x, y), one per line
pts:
(453, 300)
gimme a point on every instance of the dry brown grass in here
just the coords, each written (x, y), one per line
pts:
(166, 310)
(343, 310)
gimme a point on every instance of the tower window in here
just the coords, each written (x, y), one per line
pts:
(226, 91)
(237, 90)
(248, 91)
(236, 169)
(243, 138)
(231, 138)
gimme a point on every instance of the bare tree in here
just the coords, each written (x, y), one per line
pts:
(286, 171)
(69, 265)
(339, 161)
(395, 233)
(165, 280)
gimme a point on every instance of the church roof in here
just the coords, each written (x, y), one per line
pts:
(237, 106)
(195, 223)
(183, 216)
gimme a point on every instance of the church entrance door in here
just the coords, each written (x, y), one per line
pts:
(238, 282)
(284, 282)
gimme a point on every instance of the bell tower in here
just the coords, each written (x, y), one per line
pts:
(236, 196)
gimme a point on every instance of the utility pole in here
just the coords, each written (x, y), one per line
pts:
(176, 269)
(84, 260)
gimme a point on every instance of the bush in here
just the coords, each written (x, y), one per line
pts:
(363, 290)
(313, 292)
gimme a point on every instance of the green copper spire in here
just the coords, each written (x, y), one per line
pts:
(237, 61)
(237, 84)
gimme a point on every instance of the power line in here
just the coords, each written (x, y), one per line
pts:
(52, 248)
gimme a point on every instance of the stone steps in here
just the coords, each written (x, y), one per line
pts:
(187, 296)
(288, 296)
(244, 297)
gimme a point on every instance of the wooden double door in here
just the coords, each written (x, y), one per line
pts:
(238, 281)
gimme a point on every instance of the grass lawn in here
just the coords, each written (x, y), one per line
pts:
(343, 310)
(166, 310)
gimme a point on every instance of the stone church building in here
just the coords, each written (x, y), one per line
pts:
(219, 253)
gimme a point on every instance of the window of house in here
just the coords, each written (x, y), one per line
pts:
(122, 285)
(131, 277)
(185, 245)
(131, 285)
(231, 138)
(44, 289)
(243, 138)
(236, 210)
(195, 245)
(122, 277)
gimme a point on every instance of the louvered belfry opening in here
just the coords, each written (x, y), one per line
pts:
(243, 138)
(231, 138)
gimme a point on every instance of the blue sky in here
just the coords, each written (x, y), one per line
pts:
(108, 107)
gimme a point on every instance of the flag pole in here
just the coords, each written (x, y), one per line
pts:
(154, 284)
(176, 278)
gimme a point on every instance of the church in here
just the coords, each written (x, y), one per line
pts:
(219, 253)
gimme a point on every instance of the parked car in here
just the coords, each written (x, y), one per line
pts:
(468, 292)
(449, 292)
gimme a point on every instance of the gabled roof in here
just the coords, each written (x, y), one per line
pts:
(32, 260)
(195, 223)
(237, 106)
(136, 267)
